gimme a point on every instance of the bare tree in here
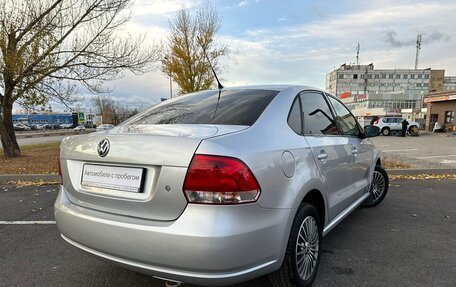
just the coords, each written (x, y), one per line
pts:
(111, 111)
(104, 106)
(51, 47)
(189, 35)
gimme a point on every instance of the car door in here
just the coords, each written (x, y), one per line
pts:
(331, 150)
(397, 124)
(361, 149)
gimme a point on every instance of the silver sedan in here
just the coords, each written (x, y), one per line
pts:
(220, 186)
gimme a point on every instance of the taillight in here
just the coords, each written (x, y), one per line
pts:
(376, 121)
(220, 180)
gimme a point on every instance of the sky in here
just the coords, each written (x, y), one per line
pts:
(299, 42)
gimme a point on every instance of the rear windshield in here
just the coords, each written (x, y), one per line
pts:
(237, 107)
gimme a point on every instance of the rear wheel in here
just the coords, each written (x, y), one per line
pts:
(413, 131)
(379, 187)
(302, 257)
(386, 131)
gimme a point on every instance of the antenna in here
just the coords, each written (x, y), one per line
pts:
(210, 64)
(418, 48)
(357, 54)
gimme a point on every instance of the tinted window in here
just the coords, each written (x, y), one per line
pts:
(318, 119)
(237, 107)
(347, 123)
(294, 118)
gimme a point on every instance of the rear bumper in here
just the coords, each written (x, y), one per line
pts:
(206, 245)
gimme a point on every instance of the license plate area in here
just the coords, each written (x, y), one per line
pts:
(119, 178)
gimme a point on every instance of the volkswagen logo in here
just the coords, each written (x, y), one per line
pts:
(103, 147)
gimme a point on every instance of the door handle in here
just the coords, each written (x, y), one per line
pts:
(322, 156)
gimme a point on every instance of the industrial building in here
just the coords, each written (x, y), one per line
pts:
(76, 118)
(386, 92)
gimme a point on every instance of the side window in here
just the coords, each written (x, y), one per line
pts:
(318, 119)
(344, 118)
(294, 117)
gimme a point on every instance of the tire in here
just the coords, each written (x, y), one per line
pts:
(413, 130)
(386, 131)
(379, 187)
(301, 250)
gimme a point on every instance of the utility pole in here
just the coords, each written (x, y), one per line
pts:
(170, 81)
(418, 48)
(170, 86)
(357, 54)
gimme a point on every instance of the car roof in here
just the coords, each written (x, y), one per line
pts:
(274, 87)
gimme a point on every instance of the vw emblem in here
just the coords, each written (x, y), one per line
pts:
(103, 147)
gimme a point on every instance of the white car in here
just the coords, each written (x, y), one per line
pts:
(104, 127)
(66, 126)
(80, 128)
(389, 124)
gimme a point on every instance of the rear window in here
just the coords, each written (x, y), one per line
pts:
(237, 107)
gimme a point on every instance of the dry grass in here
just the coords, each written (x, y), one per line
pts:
(36, 159)
(423, 176)
(394, 164)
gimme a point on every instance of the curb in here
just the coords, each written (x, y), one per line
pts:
(50, 134)
(421, 171)
(29, 177)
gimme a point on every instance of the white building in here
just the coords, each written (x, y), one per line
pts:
(385, 92)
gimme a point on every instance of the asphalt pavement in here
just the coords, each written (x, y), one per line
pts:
(429, 150)
(408, 240)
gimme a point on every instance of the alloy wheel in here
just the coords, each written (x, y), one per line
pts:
(378, 185)
(307, 248)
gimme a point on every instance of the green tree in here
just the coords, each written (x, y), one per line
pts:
(51, 47)
(185, 62)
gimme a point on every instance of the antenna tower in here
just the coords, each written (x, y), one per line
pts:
(418, 48)
(357, 54)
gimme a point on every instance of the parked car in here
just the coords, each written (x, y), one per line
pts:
(80, 128)
(21, 127)
(90, 125)
(104, 127)
(219, 187)
(39, 126)
(52, 126)
(389, 124)
(66, 126)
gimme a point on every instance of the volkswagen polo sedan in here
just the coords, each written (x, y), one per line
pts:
(220, 186)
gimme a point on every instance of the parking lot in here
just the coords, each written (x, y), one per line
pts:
(409, 240)
(429, 150)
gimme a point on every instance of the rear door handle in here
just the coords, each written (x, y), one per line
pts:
(322, 156)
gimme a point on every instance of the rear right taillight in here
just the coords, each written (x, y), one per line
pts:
(220, 180)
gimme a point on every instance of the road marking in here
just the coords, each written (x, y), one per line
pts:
(25, 222)
(435, 156)
(394, 150)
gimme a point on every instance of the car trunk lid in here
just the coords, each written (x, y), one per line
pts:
(151, 159)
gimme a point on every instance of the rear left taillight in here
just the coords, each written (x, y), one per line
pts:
(220, 180)
(376, 121)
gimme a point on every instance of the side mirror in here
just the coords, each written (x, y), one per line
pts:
(371, 131)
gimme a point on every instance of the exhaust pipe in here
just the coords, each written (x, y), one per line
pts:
(172, 284)
(169, 283)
